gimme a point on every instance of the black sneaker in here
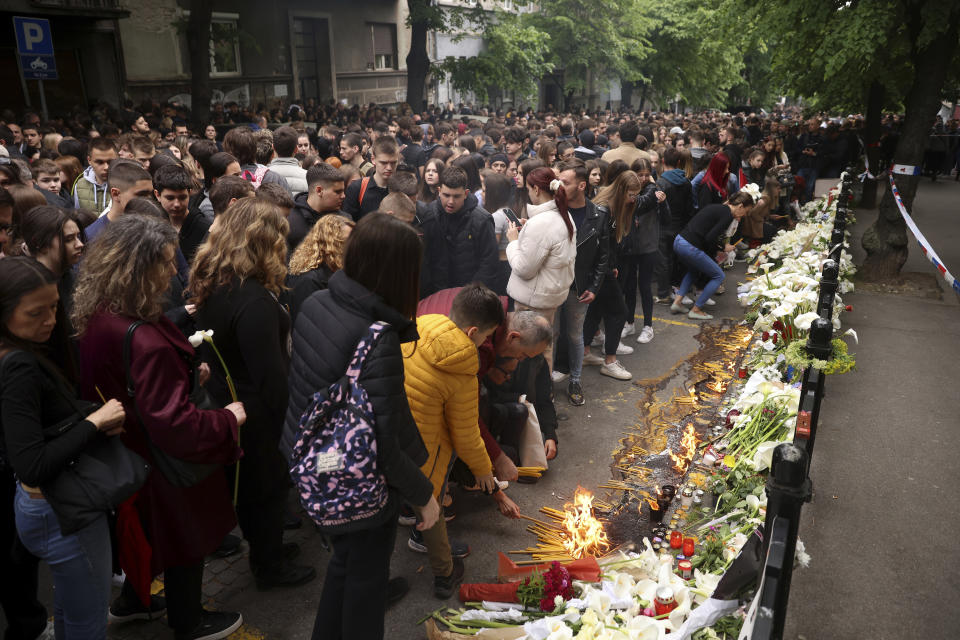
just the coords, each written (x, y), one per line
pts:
(230, 546)
(575, 393)
(449, 512)
(396, 589)
(121, 610)
(444, 587)
(286, 574)
(457, 549)
(214, 625)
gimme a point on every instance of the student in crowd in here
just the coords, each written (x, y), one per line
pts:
(675, 185)
(713, 188)
(6, 222)
(228, 190)
(590, 267)
(242, 145)
(219, 165)
(171, 187)
(46, 178)
(235, 281)
(277, 196)
(378, 282)
(325, 195)
(431, 180)
(316, 259)
(617, 202)
(498, 194)
(286, 164)
(122, 283)
(43, 431)
(543, 252)
(440, 372)
(91, 191)
(364, 195)
(638, 251)
(127, 180)
(460, 243)
(697, 244)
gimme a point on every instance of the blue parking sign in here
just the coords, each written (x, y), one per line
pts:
(35, 48)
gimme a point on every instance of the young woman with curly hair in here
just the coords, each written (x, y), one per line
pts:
(235, 281)
(317, 258)
(123, 282)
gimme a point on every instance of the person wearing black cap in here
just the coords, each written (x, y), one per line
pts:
(498, 162)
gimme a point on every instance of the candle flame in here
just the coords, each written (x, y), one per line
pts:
(688, 447)
(584, 534)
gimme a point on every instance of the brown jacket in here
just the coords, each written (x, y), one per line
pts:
(627, 151)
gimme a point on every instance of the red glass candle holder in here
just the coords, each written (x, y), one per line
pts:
(689, 544)
(676, 540)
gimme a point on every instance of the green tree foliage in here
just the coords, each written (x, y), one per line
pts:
(513, 60)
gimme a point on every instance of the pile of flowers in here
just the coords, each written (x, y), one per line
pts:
(756, 417)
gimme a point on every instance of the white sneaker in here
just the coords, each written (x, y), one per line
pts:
(646, 335)
(559, 376)
(615, 370)
(592, 360)
(598, 339)
(687, 300)
(711, 302)
(628, 330)
(624, 350)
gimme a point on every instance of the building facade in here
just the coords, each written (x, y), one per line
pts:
(268, 54)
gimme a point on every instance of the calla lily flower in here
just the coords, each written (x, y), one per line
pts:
(804, 320)
(851, 332)
(198, 337)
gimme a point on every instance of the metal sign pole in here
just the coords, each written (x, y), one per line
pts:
(43, 100)
(23, 84)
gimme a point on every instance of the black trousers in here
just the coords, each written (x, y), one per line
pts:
(182, 588)
(262, 499)
(610, 307)
(636, 272)
(26, 617)
(668, 273)
(355, 589)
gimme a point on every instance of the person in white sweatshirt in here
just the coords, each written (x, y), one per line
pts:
(542, 253)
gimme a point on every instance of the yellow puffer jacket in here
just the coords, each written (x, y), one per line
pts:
(441, 383)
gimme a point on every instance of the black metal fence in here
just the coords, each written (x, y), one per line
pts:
(789, 485)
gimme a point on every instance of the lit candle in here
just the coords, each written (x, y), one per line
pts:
(676, 539)
(688, 546)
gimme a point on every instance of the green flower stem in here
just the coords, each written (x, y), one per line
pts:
(233, 396)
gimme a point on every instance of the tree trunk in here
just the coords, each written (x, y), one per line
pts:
(886, 241)
(871, 140)
(626, 94)
(418, 62)
(198, 44)
(643, 96)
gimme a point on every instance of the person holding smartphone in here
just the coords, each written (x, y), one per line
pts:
(497, 193)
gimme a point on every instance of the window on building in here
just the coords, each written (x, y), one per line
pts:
(224, 45)
(383, 41)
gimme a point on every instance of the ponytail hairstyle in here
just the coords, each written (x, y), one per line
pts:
(546, 180)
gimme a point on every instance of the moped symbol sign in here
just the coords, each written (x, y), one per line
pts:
(35, 48)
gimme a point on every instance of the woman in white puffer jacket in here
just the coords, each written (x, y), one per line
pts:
(542, 254)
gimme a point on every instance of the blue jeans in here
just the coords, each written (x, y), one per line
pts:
(80, 564)
(810, 183)
(698, 263)
(574, 313)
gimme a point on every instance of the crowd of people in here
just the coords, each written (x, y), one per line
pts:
(470, 262)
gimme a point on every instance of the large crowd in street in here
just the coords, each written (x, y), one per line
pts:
(362, 305)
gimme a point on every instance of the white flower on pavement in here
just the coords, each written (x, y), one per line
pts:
(804, 320)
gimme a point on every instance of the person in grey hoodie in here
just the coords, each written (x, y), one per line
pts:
(285, 164)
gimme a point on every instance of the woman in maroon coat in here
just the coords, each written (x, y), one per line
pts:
(124, 280)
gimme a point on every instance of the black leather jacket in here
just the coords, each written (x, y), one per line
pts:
(593, 250)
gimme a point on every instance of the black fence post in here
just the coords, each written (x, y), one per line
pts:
(788, 487)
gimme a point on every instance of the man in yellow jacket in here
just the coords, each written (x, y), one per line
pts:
(440, 374)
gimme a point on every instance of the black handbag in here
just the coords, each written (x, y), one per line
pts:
(179, 473)
(99, 478)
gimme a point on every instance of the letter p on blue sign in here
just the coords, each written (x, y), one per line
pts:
(33, 36)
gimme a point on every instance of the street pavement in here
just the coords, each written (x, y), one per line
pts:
(881, 526)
